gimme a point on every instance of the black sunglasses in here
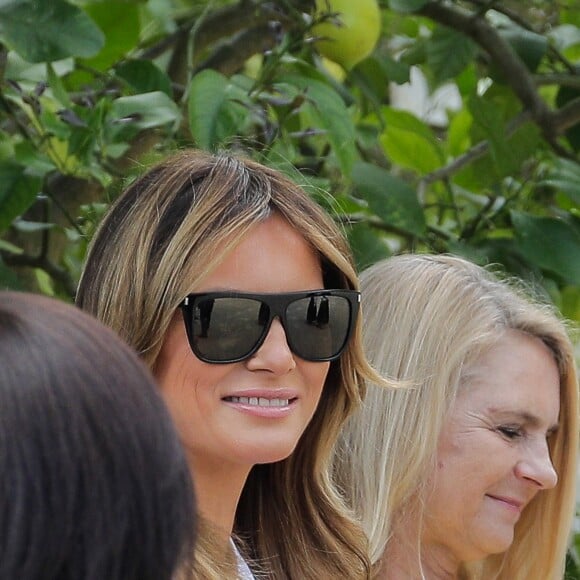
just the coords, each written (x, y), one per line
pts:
(228, 327)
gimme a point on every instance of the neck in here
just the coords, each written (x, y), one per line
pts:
(407, 557)
(218, 488)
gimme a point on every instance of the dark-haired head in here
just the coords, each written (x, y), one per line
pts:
(94, 481)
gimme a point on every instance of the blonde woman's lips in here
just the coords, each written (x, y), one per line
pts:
(511, 504)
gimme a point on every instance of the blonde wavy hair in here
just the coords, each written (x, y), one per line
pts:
(433, 316)
(159, 240)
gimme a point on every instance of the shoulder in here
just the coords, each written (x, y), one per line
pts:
(244, 572)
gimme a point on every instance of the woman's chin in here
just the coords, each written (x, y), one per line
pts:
(497, 542)
(269, 453)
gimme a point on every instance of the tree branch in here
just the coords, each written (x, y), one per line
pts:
(378, 224)
(517, 19)
(211, 28)
(562, 119)
(501, 52)
(511, 14)
(230, 57)
(561, 79)
(471, 155)
(567, 116)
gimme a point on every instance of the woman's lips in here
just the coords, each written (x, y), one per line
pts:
(267, 403)
(512, 504)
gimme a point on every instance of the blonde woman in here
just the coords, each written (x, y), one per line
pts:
(240, 293)
(469, 473)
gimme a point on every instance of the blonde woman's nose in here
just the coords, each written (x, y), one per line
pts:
(536, 467)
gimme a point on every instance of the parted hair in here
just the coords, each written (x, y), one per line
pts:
(94, 482)
(433, 317)
(158, 242)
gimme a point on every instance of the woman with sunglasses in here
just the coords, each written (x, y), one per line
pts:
(239, 292)
(94, 484)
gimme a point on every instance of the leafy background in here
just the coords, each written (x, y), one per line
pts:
(485, 163)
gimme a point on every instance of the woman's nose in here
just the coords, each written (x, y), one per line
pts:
(537, 468)
(274, 355)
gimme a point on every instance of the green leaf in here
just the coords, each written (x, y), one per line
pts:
(564, 36)
(570, 302)
(218, 109)
(145, 111)
(416, 53)
(328, 112)
(17, 192)
(121, 25)
(507, 153)
(407, 5)
(8, 279)
(18, 69)
(373, 74)
(27, 226)
(489, 119)
(458, 134)
(206, 97)
(44, 31)
(389, 197)
(367, 246)
(370, 79)
(564, 175)
(529, 46)
(57, 86)
(10, 248)
(396, 71)
(551, 244)
(409, 142)
(492, 167)
(448, 53)
(37, 163)
(144, 76)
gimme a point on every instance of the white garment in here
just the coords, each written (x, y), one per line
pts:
(244, 572)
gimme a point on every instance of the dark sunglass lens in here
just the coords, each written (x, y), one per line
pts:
(227, 328)
(318, 326)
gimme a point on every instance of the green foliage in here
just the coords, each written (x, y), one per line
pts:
(17, 192)
(564, 175)
(407, 5)
(324, 109)
(550, 243)
(409, 142)
(448, 53)
(91, 88)
(389, 198)
(214, 114)
(47, 31)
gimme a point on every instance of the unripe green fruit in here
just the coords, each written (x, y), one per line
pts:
(333, 69)
(357, 35)
(253, 65)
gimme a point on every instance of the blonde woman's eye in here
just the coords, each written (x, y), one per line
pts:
(510, 432)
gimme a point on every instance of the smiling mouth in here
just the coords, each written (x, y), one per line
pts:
(260, 401)
(508, 502)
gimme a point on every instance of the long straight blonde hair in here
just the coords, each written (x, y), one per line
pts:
(173, 226)
(433, 316)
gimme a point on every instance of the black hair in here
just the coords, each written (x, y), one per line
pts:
(94, 483)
